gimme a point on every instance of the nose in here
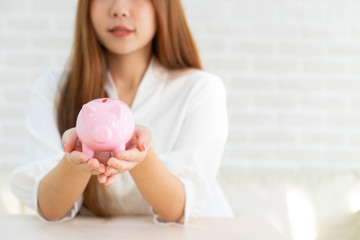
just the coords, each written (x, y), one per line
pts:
(121, 8)
(101, 134)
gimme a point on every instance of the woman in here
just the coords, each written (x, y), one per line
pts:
(141, 52)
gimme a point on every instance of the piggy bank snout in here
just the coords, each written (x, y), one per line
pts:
(101, 134)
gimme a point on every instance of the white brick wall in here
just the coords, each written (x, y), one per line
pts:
(292, 74)
(291, 68)
(35, 35)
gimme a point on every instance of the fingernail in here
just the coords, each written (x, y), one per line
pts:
(65, 148)
(144, 146)
(102, 179)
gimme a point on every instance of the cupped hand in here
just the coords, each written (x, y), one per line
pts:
(136, 150)
(74, 154)
(108, 168)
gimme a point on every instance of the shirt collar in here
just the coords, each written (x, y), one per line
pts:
(153, 76)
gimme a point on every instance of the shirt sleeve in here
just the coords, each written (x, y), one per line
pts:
(198, 150)
(44, 148)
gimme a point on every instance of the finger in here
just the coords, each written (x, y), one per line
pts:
(131, 155)
(69, 139)
(96, 165)
(101, 169)
(113, 162)
(102, 178)
(113, 166)
(110, 180)
(78, 145)
(120, 166)
(126, 165)
(91, 170)
(77, 157)
(93, 163)
(141, 145)
(110, 171)
(143, 137)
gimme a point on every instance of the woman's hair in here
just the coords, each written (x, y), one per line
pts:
(172, 45)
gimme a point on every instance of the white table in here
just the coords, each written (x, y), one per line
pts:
(142, 228)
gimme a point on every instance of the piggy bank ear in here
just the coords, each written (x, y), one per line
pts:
(116, 110)
(87, 110)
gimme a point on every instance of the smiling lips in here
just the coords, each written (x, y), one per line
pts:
(120, 31)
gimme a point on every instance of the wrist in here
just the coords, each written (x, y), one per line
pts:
(145, 163)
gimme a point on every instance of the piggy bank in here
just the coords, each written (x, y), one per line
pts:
(104, 125)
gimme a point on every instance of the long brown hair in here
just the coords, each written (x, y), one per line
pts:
(173, 46)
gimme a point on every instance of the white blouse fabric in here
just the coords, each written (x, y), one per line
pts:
(186, 112)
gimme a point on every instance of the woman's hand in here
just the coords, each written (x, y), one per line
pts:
(136, 150)
(72, 147)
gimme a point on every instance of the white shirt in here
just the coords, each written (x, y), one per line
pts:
(186, 112)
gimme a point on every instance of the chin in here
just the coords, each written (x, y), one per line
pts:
(122, 50)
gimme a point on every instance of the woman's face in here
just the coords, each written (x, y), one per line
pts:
(123, 26)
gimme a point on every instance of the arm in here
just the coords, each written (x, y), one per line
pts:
(42, 182)
(163, 190)
(60, 188)
(64, 184)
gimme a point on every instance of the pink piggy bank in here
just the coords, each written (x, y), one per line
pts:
(103, 125)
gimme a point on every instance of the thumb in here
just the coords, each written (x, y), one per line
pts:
(69, 140)
(143, 135)
(141, 145)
